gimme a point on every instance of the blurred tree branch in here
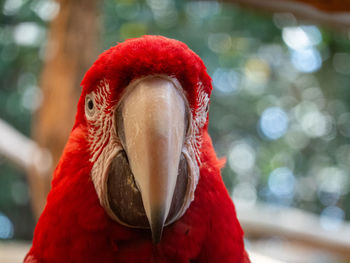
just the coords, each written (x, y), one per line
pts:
(330, 5)
(23, 151)
(334, 13)
(263, 220)
(72, 46)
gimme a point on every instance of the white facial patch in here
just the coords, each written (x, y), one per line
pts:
(103, 141)
(194, 140)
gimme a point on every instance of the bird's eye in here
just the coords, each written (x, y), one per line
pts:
(89, 106)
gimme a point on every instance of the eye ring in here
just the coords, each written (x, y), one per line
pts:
(89, 106)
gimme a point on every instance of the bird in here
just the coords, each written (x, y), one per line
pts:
(139, 180)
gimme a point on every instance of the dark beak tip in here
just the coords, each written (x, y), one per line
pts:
(156, 238)
(157, 230)
(157, 225)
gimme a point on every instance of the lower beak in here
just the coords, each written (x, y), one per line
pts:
(153, 117)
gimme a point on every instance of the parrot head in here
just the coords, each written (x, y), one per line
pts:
(144, 105)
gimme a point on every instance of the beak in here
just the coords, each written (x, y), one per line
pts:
(153, 117)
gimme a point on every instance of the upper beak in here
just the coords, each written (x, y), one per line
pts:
(153, 114)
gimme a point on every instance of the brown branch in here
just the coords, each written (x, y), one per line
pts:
(335, 13)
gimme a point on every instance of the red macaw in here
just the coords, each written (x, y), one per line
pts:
(139, 180)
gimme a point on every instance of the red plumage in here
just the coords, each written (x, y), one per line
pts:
(75, 228)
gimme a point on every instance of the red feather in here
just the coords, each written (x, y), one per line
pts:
(75, 228)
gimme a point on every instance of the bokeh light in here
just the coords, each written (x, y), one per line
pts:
(46, 9)
(273, 123)
(241, 157)
(296, 138)
(202, 9)
(302, 41)
(331, 218)
(28, 34)
(11, 7)
(226, 80)
(333, 182)
(6, 227)
(301, 37)
(316, 124)
(245, 194)
(257, 71)
(32, 98)
(164, 12)
(281, 183)
(306, 60)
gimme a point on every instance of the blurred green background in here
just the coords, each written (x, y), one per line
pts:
(280, 108)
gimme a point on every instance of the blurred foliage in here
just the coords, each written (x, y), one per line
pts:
(280, 109)
(22, 34)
